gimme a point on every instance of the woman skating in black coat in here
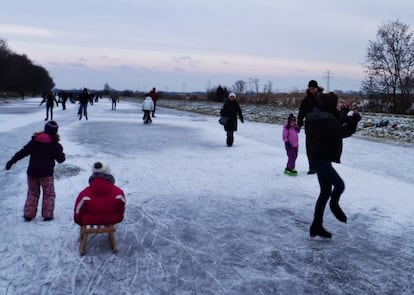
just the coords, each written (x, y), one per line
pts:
(326, 130)
(230, 110)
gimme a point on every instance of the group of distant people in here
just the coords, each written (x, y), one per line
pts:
(325, 124)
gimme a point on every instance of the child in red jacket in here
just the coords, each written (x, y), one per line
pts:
(102, 202)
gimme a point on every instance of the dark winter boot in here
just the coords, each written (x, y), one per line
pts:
(230, 140)
(318, 230)
(337, 211)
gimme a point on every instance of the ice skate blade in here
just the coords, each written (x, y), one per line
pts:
(319, 238)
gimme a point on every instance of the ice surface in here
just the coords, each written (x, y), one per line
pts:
(203, 218)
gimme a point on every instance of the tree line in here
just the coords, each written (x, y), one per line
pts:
(19, 75)
(389, 68)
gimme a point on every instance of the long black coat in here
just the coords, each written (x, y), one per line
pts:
(309, 104)
(231, 109)
(326, 131)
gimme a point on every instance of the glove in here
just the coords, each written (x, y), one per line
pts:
(354, 115)
(9, 164)
(288, 145)
(241, 120)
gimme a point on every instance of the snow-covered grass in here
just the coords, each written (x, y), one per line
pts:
(400, 128)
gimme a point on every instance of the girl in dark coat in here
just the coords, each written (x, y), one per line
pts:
(231, 109)
(326, 130)
(44, 149)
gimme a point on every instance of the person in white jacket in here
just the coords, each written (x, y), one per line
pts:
(147, 108)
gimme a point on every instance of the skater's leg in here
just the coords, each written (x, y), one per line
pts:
(322, 170)
(49, 196)
(32, 199)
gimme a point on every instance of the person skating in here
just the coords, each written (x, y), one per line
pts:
(290, 136)
(231, 109)
(147, 108)
(44, 149)
(114, 100)
(326, 129)
(83, 103)
(154, 95)
(50, 100)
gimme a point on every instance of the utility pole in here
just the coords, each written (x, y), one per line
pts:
(328, 78)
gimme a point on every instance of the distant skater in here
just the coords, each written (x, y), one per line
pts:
(147, 108)
(154, 95)
(326, 129)
(231, 109)
(44, 149)
(290, 135)
(50, 100)
(83, 103)
(114, 100)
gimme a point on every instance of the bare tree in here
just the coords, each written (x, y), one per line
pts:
(268, 87)
(239, 86)
(390, 63)
(256, 85)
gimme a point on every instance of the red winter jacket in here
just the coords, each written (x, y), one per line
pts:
(100, 203)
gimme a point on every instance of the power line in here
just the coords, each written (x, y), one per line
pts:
(328, 76)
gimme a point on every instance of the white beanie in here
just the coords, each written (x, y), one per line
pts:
(99, 167)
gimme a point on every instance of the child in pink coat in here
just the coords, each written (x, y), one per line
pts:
(290, 136)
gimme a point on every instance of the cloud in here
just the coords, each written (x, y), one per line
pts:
(24, 30)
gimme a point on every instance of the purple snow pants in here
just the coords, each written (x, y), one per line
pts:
(33, 194)
(292, 154)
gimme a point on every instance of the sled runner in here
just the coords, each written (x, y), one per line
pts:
(97, 229)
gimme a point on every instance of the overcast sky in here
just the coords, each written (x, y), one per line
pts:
(191, 45)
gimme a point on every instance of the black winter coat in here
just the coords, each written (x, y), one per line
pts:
(43, 151)
(231, 109)
(325, 132)
(308, 105)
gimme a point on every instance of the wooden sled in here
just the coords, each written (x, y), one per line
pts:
(97, 229)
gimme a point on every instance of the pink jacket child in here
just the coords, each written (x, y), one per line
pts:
(102, 202)
(290, 136)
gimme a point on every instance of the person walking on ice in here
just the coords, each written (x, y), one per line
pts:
(230, 110)
(44, 149)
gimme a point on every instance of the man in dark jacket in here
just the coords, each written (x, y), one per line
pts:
(50, 100)
(44, 149)
(154, 95)
(309, 104)
(231, 109)
(326, 130)
(83, 103)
